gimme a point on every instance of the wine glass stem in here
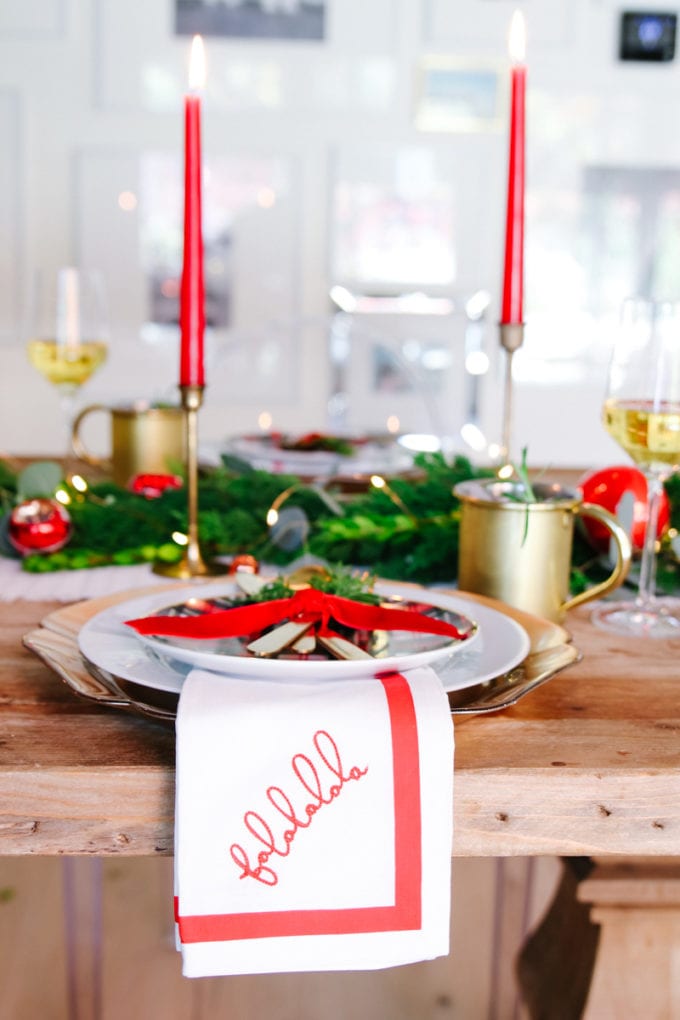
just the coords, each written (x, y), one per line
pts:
(647, 587)
(68, 399)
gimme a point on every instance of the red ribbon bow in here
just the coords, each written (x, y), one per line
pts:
(306, 606)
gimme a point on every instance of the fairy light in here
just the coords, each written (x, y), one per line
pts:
(279, 501)
(272, 515)
(63, 497)
(473, 436)
(179, 538)
(380, 483)
(506, 471)
(79, 483)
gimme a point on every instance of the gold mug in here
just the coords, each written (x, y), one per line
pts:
(520, 552)
(143, 440)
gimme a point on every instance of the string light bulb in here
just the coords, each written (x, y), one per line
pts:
(380, 483)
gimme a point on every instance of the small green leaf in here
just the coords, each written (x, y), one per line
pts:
(236, 464)
(39, 479)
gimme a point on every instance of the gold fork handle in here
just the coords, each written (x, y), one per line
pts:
(278, 639)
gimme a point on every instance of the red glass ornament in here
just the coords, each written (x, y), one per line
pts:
(244, 562)
(152, 485)
(39, 526)
(607, 487)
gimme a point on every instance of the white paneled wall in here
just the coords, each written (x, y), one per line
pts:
(90, 89)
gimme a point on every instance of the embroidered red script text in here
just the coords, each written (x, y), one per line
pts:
(322, 782)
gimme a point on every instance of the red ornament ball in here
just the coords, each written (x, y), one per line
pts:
(607, 488)
(154, 485)
(39, 526)
(244, 563)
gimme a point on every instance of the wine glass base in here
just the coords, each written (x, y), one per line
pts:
(660, 619)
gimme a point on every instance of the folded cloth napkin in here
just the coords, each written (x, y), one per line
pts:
(313, 823)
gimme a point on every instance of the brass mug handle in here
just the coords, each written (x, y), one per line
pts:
(77, 444)
(624, 553)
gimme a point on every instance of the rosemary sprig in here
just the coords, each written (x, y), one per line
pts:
(526, 493)
(334, 580)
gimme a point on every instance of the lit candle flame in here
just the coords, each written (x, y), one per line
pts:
(197, 64)
(517, 39)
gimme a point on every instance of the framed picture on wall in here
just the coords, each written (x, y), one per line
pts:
(252, 19)
(457, 95)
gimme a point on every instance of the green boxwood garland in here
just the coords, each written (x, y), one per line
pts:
(115, 526)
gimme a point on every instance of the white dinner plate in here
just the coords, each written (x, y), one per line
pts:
(397, 650)
(105, 640)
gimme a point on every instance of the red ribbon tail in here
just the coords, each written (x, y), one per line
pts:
(226, 623)
(307, 605)
(366, 617)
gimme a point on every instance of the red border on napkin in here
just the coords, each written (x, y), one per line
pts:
(405, 913)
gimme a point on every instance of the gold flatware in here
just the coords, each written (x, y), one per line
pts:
(304, 645)
(341, 648)
(277, 639)
(301, 577)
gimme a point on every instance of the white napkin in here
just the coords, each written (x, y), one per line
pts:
(313, 823)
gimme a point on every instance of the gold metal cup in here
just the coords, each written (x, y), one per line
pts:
(143, 440)
(520, 552)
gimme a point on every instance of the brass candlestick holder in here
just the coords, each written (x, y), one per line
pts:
(192, 563)
(512, 337)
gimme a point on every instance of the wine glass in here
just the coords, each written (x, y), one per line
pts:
(642, 413)
(67, 331)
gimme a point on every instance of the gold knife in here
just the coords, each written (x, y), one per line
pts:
(277, 639)
(341, 648)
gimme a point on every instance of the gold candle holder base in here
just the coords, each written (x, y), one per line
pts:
(512, 338)
(192, 563)
(189, 567)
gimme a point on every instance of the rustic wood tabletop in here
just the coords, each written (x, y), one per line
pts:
(588, 764)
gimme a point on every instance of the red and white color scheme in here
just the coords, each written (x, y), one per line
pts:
(313, 823)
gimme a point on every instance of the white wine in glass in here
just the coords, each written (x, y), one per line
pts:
(67, 331)
(642, 413)
(66, 365)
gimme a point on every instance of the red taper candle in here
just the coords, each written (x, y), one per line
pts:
(192, 297)
(513, 274)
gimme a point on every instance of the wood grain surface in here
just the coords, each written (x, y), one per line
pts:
(588, 764)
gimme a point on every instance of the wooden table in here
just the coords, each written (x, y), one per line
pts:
(588, 766)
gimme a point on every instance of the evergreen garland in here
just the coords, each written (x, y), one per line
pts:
(411, 537)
